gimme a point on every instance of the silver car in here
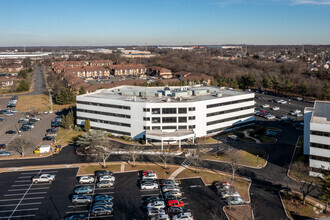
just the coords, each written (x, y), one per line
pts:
(104, 183)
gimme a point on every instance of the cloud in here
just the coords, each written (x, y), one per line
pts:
(311, 2)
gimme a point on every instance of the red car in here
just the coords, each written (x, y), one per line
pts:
(175, 203)
(145, 172)
(2, 146)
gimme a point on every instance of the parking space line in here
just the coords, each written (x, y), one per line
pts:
(13, 190)
(22, 181)
(5, 200)
(32, 203)
(21, 199)
(155, 194)
(20, 194)
(17, 216)
(21, 210)
(103, 216)
(75, 206)
(76, 212)
(20, 185)
(24, 177)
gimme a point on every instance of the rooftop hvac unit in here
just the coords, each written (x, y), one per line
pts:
(219, 94)
(168, 100)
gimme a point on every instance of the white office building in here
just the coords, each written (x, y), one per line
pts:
(167, 114)
(317, 136)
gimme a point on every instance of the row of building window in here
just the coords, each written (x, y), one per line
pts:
(229, 103)
(228, 111)
(319, 158)
(227, 119)
(104, 113)
(323, 146)
(156, 111)
(321, 133)
(184, 127)
(104, 105)
(168, 119)
(106, 122)
(224, 128)
(112, 131)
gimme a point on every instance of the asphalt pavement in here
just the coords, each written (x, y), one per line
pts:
(39, 82)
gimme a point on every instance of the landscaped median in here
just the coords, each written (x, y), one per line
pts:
(247, 157)
(238, 212)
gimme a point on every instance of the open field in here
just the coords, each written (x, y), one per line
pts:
(239, 212)
(65, 136)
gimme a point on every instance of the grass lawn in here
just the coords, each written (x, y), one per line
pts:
(39, 103)
(157, 168)
(65, 136)
(294, 206)
(247, 157)
(206, 141)
(240, 185)
(84, 170)
(239, 212)
(267, 140)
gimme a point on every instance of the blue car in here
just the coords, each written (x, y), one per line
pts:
(76, 217)
(103, 197)
(83, 189)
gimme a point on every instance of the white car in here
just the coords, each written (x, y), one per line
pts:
(43, 178)
(150, 176)
(149, 185)
(173, 193)
(275, 108)
(13, 110)
(299, 115)
(156, 204)
(270, 117)
(282, 101)
(296, 111)
(265, 106)
(107, 177)
(36, 119)
(86, 179)
(170, 188)
(185, 216)
(9, 114)
(155, 211)
(226, 194)
(236, 200)
(161, 217)
(23, 120)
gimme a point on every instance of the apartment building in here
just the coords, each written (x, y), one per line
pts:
(128, 69)
(160, 72)
(317, 136)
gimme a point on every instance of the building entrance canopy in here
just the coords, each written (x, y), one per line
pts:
(177, 135)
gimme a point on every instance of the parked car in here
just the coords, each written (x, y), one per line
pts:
(176, 203)
(283, 117)
(76, 217)
(174, 210)
(43, 178)
(149, 185)
(155, 211)
(8, 114)
(86, 179)
(161, 217)
(104, 183)
(173, 193)
(81, 199)
(148, 181)
(300, 115)
(150, 176)
(145, 172)
(103, 197)
(227, 193)
(3, 119)
(275, 108)
(52, 130)
(265, 106)
(48, 138)
(171, 197)
(156, 204)
(103, 173)
(4, 154)
(25, 128)
(170, 183)
(3, 146)
(23, 120)
(108, 178)
(83, 190)
(103, 203)
(270, 117)
(29, 124)
(51, 134)
(170, 188)
(236, 200)
(11, 132)
(185, 216)
(152, 199)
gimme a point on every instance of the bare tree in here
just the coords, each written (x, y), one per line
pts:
(20, 145)
(233, 163)
(196, 157)
(133, 153)
(102, 150)
(165, 157)
(305, 182)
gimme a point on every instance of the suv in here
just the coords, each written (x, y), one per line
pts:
(103, 173)
(43, 178)
(101, 210)
(81, 199)
(86, 179)
(149, 185)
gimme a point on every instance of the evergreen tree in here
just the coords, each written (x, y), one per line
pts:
(82, 90)
(303, 88)
(325, 91)
(87, 125)
(324, 191)
(266, 82)
(275, 83)
(23, 86)
(65, 97)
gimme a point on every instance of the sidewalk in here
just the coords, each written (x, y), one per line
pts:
(176, 172)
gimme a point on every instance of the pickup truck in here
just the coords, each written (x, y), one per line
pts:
(43, 178)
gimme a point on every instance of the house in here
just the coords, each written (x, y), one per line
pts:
(128, 69)
(101, 63)
(160, 72)
(194, 77)
(11, 68)
(6, 81)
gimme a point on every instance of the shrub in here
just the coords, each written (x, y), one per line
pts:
(126, 138)
(78, 128)
(239, 134)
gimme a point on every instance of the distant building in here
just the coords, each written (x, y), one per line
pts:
(12, 68)
(317, 137)
(6, 81)
(128, 69)
(193, 77)
(160, 72)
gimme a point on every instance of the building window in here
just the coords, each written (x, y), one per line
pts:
(192, 109)
(182, 110)
(228, 111)
(146, 109)
(156, 120)
(320, 133)
(183, 127)
(182, 119)
(146, 119)
(112, 131)
(192, 126)
(104, 105)
(229, 103)
(192, 117)
(146, 127)
(155, 111)
(325, 159)
(105, 121)
(323, 146)
(156, 128)
(227, 119)
(169, 127)
(169, 110)
(104, 113)
(169, 119)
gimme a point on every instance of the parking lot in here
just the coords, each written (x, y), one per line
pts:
(21, 199)
(35, 135)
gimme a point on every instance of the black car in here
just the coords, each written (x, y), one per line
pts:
(103, 173)
(56, 124)
(10, 132)
(176, 210)
(3, 119)
(151, 200)
(48, 138)
(49, 130)
(25, 128)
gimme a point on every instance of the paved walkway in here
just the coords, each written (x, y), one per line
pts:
(176, 172)
(248, 136)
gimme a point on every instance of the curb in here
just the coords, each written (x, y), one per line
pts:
(286, 213)
(227, 206)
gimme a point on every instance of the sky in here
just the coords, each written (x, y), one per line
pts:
(163, 22)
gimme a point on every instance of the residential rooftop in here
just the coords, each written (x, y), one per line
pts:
(164, 94)
(321, 113)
